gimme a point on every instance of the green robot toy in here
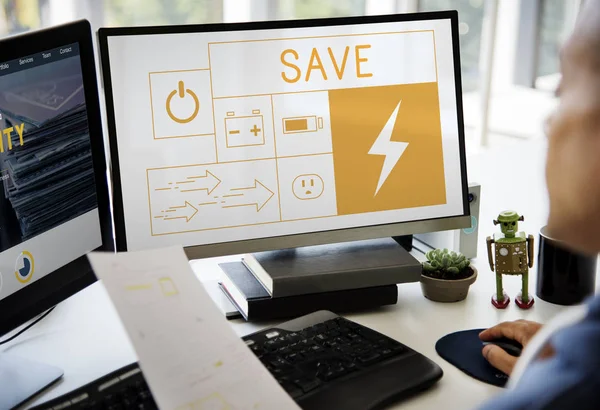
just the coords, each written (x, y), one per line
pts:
(513, 256)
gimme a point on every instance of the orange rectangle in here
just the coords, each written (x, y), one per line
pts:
(300, 124)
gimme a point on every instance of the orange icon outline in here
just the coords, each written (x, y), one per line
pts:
(178, 212)
(182, 90)
(229, 132)
(257, 186)
(308, 175)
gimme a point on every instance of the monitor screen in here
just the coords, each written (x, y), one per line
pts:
(48, 205)
(231, 133)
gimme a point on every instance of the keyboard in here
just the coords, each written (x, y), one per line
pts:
(323, 361)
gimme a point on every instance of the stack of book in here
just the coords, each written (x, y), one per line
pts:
(283, 284)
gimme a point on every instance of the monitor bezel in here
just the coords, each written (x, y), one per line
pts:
(57, 286)
(292, 240)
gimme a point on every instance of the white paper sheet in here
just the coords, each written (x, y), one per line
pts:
(190, 356)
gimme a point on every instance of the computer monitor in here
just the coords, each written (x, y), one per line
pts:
(54, 204)
(234, 138)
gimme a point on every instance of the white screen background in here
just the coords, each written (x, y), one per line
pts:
(133, 57)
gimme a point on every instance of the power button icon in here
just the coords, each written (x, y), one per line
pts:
(181, 104)
(182, 91)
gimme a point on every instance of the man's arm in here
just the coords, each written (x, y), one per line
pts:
(566, 379)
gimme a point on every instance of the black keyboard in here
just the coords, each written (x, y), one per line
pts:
(322, 360)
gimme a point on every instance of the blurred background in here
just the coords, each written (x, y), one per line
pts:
(509, 48)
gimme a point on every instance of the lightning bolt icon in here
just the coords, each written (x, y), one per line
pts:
(391, 150)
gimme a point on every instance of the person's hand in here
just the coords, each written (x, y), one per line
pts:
(521, 330)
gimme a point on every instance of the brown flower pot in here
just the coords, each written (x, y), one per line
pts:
(441, 290)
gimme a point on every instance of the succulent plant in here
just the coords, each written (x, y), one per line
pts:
(444, 261)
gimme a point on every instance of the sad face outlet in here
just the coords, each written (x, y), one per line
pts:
(308, 186)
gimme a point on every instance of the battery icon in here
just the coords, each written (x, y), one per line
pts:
(295, 125)
(244, 130)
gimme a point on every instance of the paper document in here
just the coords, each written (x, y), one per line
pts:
(191, 357)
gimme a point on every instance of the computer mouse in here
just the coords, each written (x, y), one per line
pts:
(510, 346)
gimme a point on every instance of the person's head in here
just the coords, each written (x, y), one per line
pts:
(573, 163)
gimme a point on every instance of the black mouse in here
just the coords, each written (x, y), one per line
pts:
(510, 346)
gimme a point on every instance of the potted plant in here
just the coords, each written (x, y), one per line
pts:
(446, 276)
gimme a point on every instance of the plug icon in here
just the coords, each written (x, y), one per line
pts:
(308, 186)
(181, 90)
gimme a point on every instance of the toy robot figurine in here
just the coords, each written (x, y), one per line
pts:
(513, 256)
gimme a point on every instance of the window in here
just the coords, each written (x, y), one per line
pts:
(470, 14)
(152, 12)
(17, 16)
(328, 8)
(551, 35)
(158, 12)
(290, 9)
(557, 19)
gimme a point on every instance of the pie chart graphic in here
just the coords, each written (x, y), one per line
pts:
(24, 267)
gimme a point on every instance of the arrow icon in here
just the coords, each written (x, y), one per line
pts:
(257, 195)
(207, 182)
(186, 211)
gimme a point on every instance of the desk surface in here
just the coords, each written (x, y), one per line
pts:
(84, 336)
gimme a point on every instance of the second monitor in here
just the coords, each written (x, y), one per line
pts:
(236, 138)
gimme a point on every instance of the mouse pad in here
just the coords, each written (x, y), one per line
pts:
(463, 350)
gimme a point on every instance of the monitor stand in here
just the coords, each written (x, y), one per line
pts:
(21, 379)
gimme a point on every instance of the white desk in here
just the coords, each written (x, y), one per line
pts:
(85, 338)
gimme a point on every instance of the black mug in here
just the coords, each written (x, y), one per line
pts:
(564, 277)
